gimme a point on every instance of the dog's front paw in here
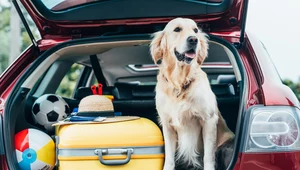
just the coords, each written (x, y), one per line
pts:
(169, 167)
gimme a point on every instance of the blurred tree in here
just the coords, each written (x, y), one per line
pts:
(4, 18)
(6, 42)
(14, 39)
(295, 87)
(15, 35)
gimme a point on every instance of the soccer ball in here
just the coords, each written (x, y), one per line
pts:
(35, 150)
(48, 109)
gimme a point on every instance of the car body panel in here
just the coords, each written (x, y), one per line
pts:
(45, 44)
(10, 76)
(269, 161)
(273, 90)
(3, 165)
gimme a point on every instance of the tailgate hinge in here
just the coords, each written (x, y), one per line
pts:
(237, 45)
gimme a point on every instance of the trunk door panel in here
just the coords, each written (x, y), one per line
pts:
(64, 18)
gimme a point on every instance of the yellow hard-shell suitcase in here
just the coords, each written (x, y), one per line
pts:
(127, 145)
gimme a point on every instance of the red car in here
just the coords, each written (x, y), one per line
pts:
(257, 106)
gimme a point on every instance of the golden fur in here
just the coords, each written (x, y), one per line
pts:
(191, 122)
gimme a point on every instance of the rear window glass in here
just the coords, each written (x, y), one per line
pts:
(57, 5)
(67, 86)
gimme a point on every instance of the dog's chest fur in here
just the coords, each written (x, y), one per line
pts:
(194, 100)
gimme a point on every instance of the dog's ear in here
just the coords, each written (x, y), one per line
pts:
(157, 47)
(203, 50)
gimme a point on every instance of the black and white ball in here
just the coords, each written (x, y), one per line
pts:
(48, 109)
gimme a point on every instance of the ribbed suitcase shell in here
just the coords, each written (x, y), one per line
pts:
(78, 144)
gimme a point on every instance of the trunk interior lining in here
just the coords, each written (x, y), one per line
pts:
(48, 59)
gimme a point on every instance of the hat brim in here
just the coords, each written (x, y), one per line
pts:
(107, 120)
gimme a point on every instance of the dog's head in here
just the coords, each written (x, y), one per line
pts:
(181, 41)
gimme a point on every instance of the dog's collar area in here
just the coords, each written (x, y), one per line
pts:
(184, 86)
(187, 84)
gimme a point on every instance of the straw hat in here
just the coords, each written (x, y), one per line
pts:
(95, 105)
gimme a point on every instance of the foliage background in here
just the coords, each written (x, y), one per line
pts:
(66, 87)
(5, 40)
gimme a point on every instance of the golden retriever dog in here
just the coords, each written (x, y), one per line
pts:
(191, 122)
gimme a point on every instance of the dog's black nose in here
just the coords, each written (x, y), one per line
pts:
(192, 40)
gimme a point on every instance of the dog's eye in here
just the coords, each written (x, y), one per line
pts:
(196, 30)
(177, 29)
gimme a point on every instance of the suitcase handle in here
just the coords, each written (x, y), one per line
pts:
(101, 152)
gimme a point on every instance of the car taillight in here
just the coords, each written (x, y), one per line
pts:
(272, 128)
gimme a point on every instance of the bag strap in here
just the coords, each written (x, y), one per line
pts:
(97, 70)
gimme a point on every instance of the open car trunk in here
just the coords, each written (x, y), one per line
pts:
(130, 76)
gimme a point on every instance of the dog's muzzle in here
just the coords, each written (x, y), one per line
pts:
(187, 56)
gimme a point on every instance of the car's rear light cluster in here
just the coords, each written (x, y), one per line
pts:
(272, 128)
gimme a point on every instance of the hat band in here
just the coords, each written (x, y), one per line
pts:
(97, 113)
